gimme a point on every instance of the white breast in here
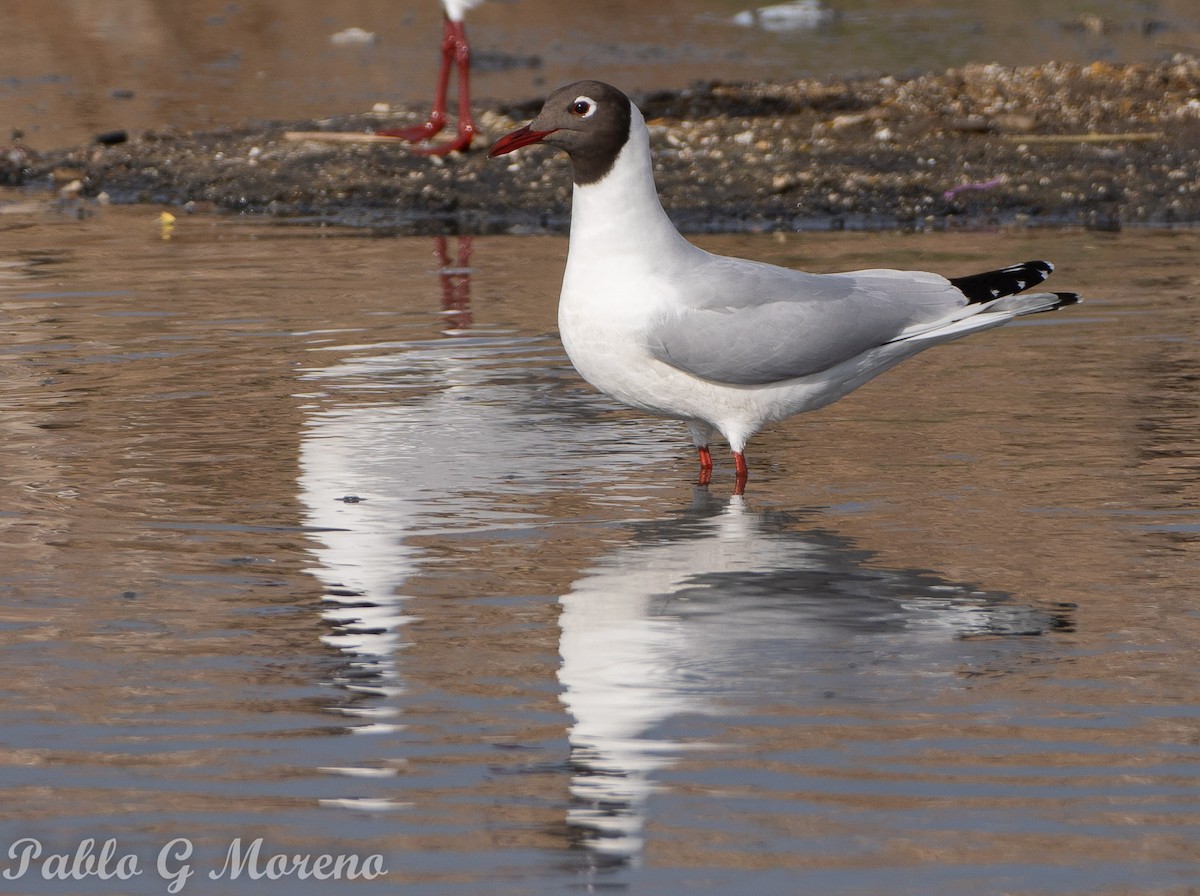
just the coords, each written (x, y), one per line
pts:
(618, 278)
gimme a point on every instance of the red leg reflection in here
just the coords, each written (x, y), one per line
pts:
(456, 281)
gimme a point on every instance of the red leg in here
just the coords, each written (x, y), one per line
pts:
(466, 124)
(706, 465)
(437, 117)
(739, 464)
(454, 49)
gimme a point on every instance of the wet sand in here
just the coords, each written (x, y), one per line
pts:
(1101, 145)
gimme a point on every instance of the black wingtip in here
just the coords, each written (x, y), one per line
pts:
(1067, 298)
(992, 285)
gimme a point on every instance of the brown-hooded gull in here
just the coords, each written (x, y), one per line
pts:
(726, 344)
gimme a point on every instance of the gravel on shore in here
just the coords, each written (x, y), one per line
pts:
(1102, 146)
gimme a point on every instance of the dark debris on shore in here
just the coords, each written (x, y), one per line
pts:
(1101, 146)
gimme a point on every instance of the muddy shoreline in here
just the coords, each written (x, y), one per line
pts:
(1099, 146)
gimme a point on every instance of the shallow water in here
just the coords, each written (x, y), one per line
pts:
(73, 70)
(303, 540)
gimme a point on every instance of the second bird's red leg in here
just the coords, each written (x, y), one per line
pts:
(466, 124)
(456, 53)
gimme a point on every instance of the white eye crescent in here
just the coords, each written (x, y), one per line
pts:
(584, 106)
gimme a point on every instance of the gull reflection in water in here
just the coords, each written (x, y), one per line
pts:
(721, 606)
(411, 438)
(353, 457)
(405, 439)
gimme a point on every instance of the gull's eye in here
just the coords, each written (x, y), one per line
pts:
(583, 106)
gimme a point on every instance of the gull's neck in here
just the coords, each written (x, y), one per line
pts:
(621, 213)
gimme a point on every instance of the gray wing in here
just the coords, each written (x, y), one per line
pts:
(746, 323)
